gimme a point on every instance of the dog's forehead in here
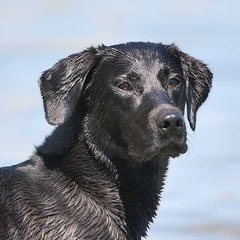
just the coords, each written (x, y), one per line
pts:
(140, 60)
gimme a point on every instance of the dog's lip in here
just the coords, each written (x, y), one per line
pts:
(174, 150)
(164, 152)
(183, 148)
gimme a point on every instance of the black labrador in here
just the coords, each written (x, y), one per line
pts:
(119, 116)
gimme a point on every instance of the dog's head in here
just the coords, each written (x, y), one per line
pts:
(134, 94)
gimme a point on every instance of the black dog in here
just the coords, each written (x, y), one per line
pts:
(119, 112)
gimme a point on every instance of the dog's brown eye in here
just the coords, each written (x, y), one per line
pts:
(173, 82)
(125, 86)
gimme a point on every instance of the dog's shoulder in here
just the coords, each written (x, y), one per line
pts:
(14, 178)
(11, 175)
(40, 198)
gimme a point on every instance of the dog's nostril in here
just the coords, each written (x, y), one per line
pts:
(179, 123)
(171, 121)
(166, 124)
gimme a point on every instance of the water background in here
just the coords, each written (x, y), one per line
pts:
(201, 199)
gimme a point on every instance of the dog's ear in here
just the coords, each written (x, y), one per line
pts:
(198, 82)
(62, 85)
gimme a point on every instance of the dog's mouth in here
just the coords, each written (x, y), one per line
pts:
(171, 149)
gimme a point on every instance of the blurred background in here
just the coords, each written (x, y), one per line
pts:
(201, 200)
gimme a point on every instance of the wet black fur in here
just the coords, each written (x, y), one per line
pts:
(100, 173)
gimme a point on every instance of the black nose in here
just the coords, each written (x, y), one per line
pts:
(171, 122)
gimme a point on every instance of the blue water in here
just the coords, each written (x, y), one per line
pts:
(201, 201)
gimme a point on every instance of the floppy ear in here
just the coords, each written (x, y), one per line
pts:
(198, 82)
(62, 85)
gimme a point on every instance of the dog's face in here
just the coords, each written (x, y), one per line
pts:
(135, 95)
(139, 99)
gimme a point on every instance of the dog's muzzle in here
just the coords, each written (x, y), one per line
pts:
(172, 129)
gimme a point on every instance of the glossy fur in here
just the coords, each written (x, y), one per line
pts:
(100, 173)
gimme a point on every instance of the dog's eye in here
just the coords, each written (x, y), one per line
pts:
(173, 82)
(125, 86)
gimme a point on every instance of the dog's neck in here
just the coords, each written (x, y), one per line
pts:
(140, 188)
(129, 192)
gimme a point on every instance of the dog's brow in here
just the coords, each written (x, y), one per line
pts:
(133, 76)
(165, 70)
(174, 75)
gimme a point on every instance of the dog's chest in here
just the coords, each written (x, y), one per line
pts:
(77, 222)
